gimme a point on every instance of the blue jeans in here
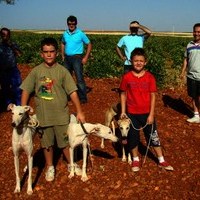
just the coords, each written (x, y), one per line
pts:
(74, 63)
(10, 80)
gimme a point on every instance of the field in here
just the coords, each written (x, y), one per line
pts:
(109, 177)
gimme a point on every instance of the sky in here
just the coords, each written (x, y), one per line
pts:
(101, 15)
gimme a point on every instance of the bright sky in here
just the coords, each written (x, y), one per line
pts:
(115, 15)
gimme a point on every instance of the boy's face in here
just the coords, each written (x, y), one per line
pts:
(138, 63)
(196, 34)
(49, 54)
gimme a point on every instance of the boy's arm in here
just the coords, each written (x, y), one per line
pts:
(123, 104)
(146, 30)
(120, 54)
(75, 99)
(62, 51)
(24, 98)
(150, 118)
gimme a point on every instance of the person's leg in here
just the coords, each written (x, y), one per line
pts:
(5, 88)
(152, 139)
(193, 89)
(15, 86)
(78, 70)
(48, 154)
(133, 141)
(62, 142)
(47, 142)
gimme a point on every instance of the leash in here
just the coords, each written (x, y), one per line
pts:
(89, 148)
(145, 156)
(148, 145)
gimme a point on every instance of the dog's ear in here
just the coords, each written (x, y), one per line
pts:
(10, 106)
(119, 121)
(28, 108)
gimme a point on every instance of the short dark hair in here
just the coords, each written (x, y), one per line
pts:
(134, 22)
(5, 29)
(138, 52)
(196, 25)
(72, 18)
(49, 41)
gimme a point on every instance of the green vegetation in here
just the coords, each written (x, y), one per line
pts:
(165, 55)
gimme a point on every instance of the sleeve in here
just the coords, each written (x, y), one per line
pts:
(123, 84)
(69, 84)
(63, 39)
(121, 42)
(29, 84)
(85, 38)
(153, 87)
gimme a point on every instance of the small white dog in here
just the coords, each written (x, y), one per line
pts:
(78, 135)
(24, 126)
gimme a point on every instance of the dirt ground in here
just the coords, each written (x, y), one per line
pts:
(109, 177)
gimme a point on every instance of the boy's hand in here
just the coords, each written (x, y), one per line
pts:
(123, 116)
(80, 117)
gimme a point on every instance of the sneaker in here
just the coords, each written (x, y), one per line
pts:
(135, 166)
(166, 166)
(78, 170)
(194, 119)
(50, 173)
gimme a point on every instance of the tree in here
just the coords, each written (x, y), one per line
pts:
(10, 2)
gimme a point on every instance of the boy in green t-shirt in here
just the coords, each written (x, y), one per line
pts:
(52, 83)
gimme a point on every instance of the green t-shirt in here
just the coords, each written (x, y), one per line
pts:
(51, 86)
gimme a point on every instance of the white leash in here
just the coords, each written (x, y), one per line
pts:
(148, 145)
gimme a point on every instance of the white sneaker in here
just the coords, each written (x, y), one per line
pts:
(194, 119)
(50, 173)
(77, 169)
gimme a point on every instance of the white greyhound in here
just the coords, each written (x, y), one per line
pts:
(79, 135)
(24, 126)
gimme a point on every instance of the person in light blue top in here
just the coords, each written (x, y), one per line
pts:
(72, 50)
(131, 41)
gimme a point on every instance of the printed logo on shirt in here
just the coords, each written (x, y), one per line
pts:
(45, 90)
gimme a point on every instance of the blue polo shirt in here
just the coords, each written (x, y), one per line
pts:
(129, 43)
(74, 42)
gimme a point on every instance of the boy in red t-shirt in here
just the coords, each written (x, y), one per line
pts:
(138, 94)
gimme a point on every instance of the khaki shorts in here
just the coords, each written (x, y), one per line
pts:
(49, 134)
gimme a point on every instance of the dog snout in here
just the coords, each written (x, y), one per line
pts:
(13, 124)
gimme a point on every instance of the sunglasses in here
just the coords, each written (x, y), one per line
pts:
(71, 24)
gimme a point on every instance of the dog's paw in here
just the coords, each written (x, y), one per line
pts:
(84, 178)
(102, 146)
(29, 191)
(71, 175)
(17, 190)
(123, 159)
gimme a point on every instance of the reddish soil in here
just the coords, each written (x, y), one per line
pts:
(109, 177)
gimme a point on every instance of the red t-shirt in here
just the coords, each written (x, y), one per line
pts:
(138, 91)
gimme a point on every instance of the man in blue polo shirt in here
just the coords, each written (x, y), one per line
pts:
(72, 49)
(131, 41)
